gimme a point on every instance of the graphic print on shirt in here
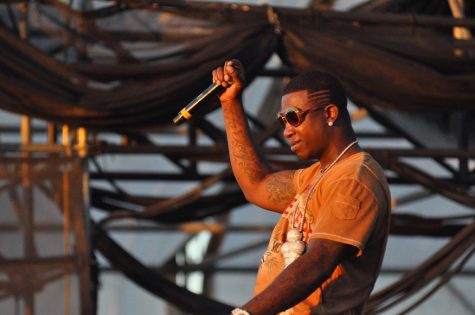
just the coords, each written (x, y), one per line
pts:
(272, 262)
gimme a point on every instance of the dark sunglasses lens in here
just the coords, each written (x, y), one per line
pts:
(292, 118)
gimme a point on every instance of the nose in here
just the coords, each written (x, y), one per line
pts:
(288, 130)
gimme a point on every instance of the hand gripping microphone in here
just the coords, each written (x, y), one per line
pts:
(185, 113)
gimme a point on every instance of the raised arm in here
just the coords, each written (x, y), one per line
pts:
(261, 186)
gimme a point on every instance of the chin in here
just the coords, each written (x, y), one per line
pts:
(301, 156)
(306, 156)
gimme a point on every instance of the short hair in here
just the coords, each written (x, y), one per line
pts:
(330, 88)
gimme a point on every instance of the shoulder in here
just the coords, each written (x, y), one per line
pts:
(359, 174)
(359, 166)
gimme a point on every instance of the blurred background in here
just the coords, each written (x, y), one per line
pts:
(108, 208)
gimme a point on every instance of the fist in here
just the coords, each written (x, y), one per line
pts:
(231, 78)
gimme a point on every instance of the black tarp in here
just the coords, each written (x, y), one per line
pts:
(134, 65)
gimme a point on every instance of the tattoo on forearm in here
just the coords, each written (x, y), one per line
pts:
(243, 151)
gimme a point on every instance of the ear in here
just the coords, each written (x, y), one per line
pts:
(331, 114)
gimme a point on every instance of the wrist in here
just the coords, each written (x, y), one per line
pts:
(231, 101)
(239, 311)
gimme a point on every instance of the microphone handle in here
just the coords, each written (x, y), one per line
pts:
(185, 112)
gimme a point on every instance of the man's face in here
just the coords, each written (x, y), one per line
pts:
(307, 140)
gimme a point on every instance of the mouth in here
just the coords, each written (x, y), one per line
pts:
(294, 145)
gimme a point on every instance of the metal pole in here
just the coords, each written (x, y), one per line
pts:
(66, 236)
(26, 179)
(66, 141)
(51, 133)
(461, 33)
(192, 142)
(66, 218)
(82, 142)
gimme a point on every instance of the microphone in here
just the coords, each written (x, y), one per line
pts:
(185, 113)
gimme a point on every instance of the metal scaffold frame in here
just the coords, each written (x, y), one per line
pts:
(187, 157)
(196, 211)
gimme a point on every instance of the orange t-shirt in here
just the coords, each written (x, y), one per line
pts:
(349, 203)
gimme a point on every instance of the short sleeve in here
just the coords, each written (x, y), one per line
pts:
(347, 213)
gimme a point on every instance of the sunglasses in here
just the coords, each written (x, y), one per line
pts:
(295, 116)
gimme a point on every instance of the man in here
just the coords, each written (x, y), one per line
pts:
(335, 213)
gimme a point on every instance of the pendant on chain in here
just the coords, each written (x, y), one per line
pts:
(294, 247)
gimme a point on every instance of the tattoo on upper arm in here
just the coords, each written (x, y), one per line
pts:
(280, 187)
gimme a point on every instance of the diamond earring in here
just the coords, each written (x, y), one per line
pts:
(330, 123)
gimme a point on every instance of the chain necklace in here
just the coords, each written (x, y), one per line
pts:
(294, 247)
